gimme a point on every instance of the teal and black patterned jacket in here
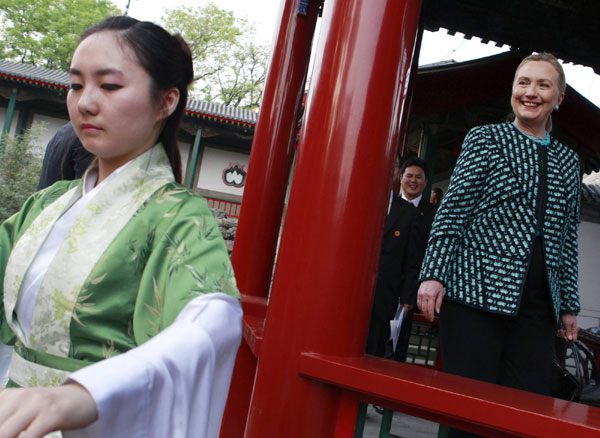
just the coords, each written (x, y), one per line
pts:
(482, 237)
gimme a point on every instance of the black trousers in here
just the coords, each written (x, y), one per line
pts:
(514, 351)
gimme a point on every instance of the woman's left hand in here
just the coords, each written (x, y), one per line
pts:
(569, 329)
(39, 411)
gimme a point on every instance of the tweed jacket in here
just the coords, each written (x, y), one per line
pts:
(482, 238)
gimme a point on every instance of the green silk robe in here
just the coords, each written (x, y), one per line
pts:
(141, 250)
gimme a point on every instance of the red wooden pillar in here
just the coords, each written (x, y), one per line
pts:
(322, 289)
(264, 192)
(273, 150)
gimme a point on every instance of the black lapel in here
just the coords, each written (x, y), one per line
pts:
(392, 215)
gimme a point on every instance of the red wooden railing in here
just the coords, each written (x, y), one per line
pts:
(231, 208)
(301, 371)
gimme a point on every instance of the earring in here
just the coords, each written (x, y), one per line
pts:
(556, 107)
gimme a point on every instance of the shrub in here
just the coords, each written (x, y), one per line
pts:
(20, 167)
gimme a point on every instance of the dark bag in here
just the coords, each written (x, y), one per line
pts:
(566, 385)
(578, 382)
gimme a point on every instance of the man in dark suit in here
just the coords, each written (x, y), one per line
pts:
(65, 158)
(405, 237)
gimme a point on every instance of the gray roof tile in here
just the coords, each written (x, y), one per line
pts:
(59, 79)
(591, 192)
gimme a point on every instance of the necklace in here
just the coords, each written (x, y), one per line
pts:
(544, 140)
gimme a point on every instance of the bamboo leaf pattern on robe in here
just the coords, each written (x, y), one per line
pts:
(49, 196)
(223, 281)
(79, 229)
(140, 255)
(177, 252)
(206, 232)
(156, 310)
(33, 381)
(201, 280)
(168, 195)
(82, 306)
(61, 305)
(108, 349)
(227, 279)
(80, 303)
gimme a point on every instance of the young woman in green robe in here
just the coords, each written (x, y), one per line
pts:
(118, 294)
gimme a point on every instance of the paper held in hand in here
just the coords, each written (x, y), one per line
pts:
(396, 325)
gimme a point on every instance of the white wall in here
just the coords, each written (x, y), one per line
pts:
(589, 274)
(51, 125)
(184, 151)
(214, 162)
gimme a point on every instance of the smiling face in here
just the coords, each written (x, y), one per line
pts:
(535, 93)
(111, 103)
(413, 182)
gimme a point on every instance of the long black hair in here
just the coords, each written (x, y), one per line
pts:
(168, 61)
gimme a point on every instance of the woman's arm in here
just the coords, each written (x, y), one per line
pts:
(430, 297)
(466, 186)
(187, 323)
(176, 384)
(464, 192)
(39, 411)
(569, 263)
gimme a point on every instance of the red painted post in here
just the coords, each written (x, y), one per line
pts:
(273, 150)
(322, 289)
(408, 101)
(266, 184)
(346, 416)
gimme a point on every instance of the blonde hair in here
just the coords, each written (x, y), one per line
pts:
(550, 59)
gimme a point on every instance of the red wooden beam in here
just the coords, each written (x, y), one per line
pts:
(273, 150)
(479, 407)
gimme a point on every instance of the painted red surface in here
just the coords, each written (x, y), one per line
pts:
(480, 407)
(264, 196)
(321, 295)
(309, 340)
(231, 208)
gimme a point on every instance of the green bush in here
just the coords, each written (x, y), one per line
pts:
(20, 167)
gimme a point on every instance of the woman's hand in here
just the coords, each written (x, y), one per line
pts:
(39, 411)
(429, 298)
(569, 329)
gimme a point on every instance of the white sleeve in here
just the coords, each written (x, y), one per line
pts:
(176, 384)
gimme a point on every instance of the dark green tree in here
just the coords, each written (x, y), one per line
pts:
(229, 67)
(45, 32)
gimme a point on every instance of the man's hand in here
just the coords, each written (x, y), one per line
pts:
(569, 329)
(429, 298)
(39, 411)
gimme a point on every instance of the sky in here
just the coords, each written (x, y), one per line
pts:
(438, 46)
(262, 13)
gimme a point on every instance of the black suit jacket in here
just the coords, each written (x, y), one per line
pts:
(403, 248)
(65, 158)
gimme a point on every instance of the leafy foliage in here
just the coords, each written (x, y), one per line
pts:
(45, 32)
(230, 68)
(20, 167)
